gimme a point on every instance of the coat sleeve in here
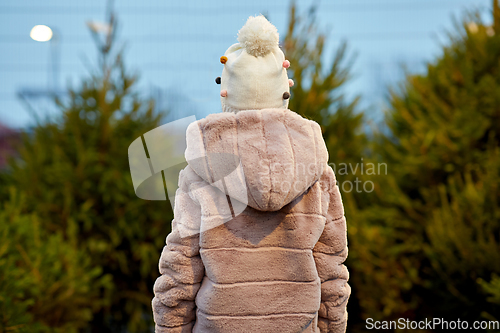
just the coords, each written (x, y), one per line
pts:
(329, 254)
(181, 267)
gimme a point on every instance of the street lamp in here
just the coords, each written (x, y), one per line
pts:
(42, 33)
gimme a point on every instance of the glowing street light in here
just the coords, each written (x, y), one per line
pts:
(41, 33)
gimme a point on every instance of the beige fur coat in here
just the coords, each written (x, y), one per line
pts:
(259, 234)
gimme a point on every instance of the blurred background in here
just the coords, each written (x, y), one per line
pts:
(410, 85)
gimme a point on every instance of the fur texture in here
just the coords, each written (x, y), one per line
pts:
(273, 266)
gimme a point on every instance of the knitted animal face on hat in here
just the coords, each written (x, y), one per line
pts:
(254, 75)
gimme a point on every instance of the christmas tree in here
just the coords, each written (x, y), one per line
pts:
(74, 175)
(429, 241)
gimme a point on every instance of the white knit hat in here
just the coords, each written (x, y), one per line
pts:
(254, 75)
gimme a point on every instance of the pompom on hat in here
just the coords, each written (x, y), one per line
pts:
(254, 75)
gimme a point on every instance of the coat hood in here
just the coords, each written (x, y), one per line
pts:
(263, 158)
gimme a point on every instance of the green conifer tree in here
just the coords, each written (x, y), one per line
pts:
(74, 173)
(430, 245)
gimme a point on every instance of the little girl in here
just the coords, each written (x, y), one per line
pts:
(258, 238)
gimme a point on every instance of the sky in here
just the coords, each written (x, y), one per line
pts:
(176, 46)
